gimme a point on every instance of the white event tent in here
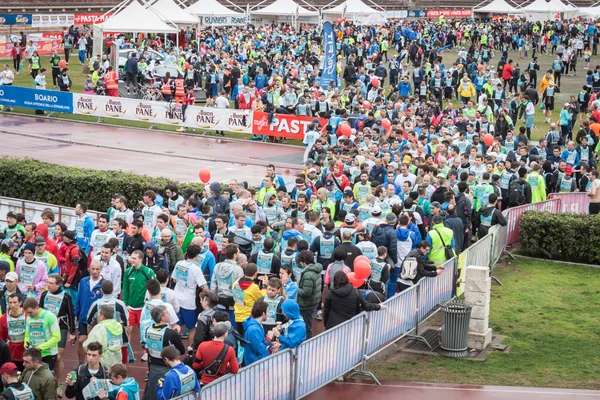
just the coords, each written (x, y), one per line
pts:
(285, 8)
(351, 7)
(169, 11)
(542, 10)
(211, 12)
(589, 12)
(497, 7)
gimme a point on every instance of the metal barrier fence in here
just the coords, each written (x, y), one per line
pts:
(434, 290)
(499, 243)
(480, 253)
(269, 378)
(387, 326)
(33, 211)
(514, 216)
(329, 355)
(578, 203)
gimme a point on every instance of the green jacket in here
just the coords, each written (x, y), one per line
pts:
(134, 285)
(41, 382)
(111, 355)
(309, 287)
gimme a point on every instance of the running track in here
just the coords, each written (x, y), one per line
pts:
(155, 153)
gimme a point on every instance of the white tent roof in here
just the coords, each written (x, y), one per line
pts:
(211, 7)
(352, 7)
(135, 18)
(497, 6)
(285, 7)
(590, 11)
(548, 6)
(169, 11)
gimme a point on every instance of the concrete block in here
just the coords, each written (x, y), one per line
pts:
(478, 286)
(477, 273)
(477, 298)
(478, 325)
(480, 312)
(479, 341)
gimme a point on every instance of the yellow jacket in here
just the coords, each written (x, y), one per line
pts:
(467, 89)
(544, 83)
(250, 292)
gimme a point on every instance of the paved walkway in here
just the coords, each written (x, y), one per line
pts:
(156, 153)
(428, 391)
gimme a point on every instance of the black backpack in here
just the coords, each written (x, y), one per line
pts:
(516, 194)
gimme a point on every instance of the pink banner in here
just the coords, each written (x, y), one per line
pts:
(578, 203)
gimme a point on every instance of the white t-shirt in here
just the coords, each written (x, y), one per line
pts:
(82, 43)
(222, 102)
(185, 289)
(112, 272)
(173, 318)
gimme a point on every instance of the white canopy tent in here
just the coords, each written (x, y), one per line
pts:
(497, 7)
(136, 18)
(285, 8)
(351, 7)
(211, 12)
(589, 12)
(169, 11)
(542, 10)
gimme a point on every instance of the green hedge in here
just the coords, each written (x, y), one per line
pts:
(56, 184)
(564, 236)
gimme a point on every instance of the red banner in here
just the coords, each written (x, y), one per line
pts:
(449, 13)
(288, 126)
(578, 202)
(44, 47)
(90, 19)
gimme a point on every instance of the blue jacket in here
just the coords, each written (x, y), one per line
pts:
(172, 384)
(292, 336)
(404, 89)
(208, 264)
(129, 386)
(257, 347)
(131, 65)
(86, 297)
(88, 228)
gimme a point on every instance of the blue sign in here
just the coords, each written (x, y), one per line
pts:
(417, 13)
(49, 100)
(329, 72)
(15, 19)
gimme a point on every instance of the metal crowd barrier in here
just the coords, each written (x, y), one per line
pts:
(434, 290)
(269, 378)
(578, 203)
(329, 355)
(514, 216)
(33, 211)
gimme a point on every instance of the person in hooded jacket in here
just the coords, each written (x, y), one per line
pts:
(152, 259)
(258, 346)
(490, 216)
(424, 268)
(293, 333)
(51, 246)
(245, 294)
(225, 274)
(408, 236)
(385, 235)
(344, 302)
(309, 288)
(219, 204)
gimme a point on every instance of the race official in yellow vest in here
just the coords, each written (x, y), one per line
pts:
(439, 236)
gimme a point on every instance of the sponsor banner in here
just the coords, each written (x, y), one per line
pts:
(90, 19)
(15, 19)
(417, 13)
(369, 19)
(449, 13)
(44, 45)
(156, 112)
(52, 20)
(50, 100)
(223, 20)
(282, 125)
(400, 14)
(329, 72)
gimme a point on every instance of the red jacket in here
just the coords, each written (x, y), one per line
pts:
(242, 102)
(70, 270)
(507, 72)
(16, 349)
(51, 246)
(207, 353)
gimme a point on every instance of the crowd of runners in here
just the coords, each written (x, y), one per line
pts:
(421, 153)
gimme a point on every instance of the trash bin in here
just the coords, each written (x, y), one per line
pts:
(455, 328)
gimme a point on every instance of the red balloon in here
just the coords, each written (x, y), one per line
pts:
(366, 104)
(479, 67)
(186, 65)
(362, 270)
(63, 64)
(375, 82)
(204, 175)
(488, 139)
(386, 124)
(354, 280)
(359, 259)
(346, 130)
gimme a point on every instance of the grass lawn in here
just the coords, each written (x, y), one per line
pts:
(570, 86)
(549, 315)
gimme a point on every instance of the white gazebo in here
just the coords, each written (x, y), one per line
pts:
(497, 7)
(285, 9)
(542, 10)
(170, 12)
(351, 7)
(211, 12)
